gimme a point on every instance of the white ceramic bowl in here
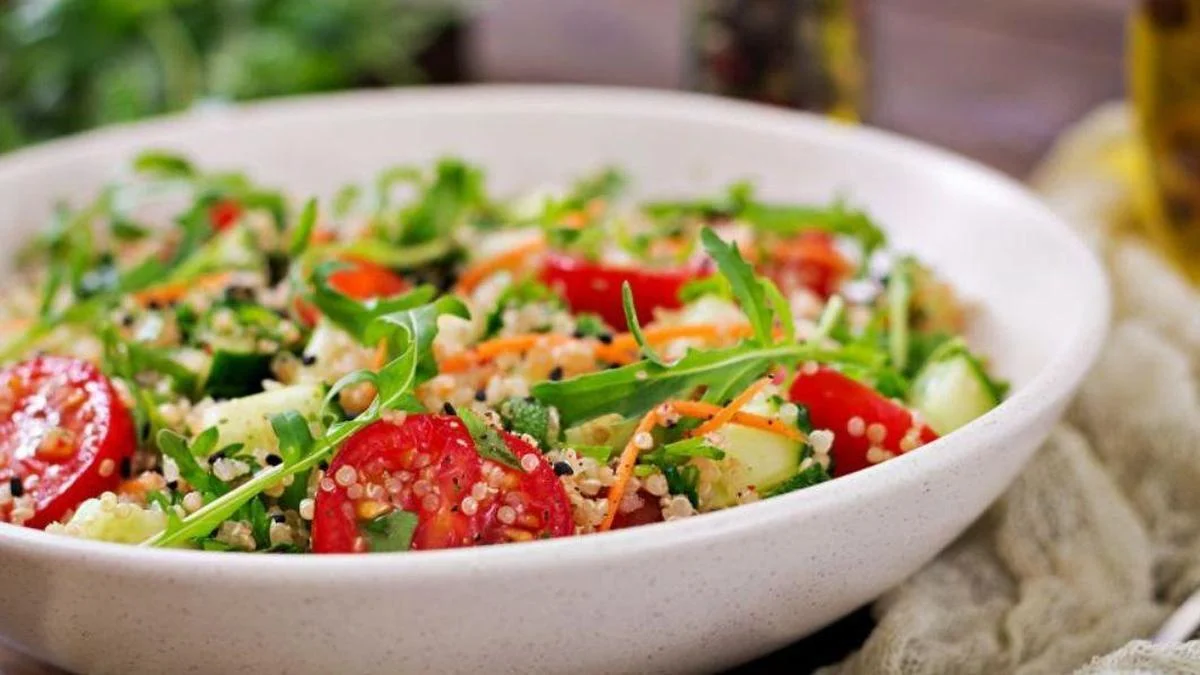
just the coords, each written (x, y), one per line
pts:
(694, 595)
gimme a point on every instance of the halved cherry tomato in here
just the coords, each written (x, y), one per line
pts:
(361, 280)
(224, 213)
(63, 435)
(833, 400)
(595, 287)
(428, 465)
(809, 260)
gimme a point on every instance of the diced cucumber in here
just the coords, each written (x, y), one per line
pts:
(105, 520)
(753, 458)
(244, 420)
(951, 391)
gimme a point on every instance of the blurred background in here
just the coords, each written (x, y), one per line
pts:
(995, 80)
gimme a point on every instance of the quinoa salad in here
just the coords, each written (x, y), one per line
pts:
(193, 359)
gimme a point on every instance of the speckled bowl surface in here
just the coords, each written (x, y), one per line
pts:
(693, 595)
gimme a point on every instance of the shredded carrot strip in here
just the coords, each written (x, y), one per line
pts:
(702, 410)
(624, 472)
(724, 415)
(475, 274)
(486, 351)
(623, 348)
(173, 291)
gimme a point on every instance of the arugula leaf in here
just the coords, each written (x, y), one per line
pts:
(526, 416)
(418, 325)
(408, 256)
(456, 191)
(294, 441)
(743, 282)
(302, 235)
(635, 327)
(714, 284)
(354, 316)
(632, 390)
(606, 184)
(124, 229)
(390, 532)
(345, 200)
(785, 220)
(163, 164)
(781, 308)
(488, 441)
(600, 453)
(176, 447)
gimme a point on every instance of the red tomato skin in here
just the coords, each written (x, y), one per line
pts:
(54, 391)
(361, 280)
(809, 260)
(454, 468)
(224, 213)
(594, 287)
(833, 399)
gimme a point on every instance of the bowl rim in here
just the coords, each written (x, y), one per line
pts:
(1064, 369)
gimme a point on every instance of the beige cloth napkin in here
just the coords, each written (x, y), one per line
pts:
(1099, 539)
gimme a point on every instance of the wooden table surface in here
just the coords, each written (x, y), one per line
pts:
(994, 80)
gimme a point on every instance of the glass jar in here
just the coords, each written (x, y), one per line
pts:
(803, 54)
(1164, 70)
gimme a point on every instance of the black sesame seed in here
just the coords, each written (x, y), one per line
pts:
(274, 460)
(530, 399)
(16, 487)
(578, 334)
(481, 395)
(172, 484)
(323, 465)
(556, 374)
(279, 518)
(154, 305)
(563, 469)
(448, 408)
(454, 509)
(308, 359)
(127, 320)
(605, 338)
(126, 467)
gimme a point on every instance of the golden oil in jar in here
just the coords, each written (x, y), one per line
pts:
(1164, 72)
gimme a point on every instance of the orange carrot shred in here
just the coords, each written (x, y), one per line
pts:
(486, 351)
(474, 275)
(171, 292)
(624, 472)
(725, 415)
(702, 410)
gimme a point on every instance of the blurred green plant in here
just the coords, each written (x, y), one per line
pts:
(68, 65)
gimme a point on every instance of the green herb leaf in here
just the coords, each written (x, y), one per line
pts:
(390, 532)
(714, 284)
(184, 455)
(419, 325)
(162, 164)
(635, 328)
(302, 235)
(781, 308)
(354, 316)
(682, 480)
(743, 282)
(899, 299)
(237, 374)
(488, 441)
(293, 433)
(632, 390)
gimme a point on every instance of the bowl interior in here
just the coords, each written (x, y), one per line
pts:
(983, 234)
